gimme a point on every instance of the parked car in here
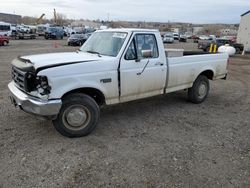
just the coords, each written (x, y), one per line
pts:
(232, 38)
(189, 35)
(176, 36)
(168, 38)
(205, 44)
(195, 38)
(23, 29)
(77, 39)
(4, 40)
(113, 66)
(183, 38)
(41, 29)
(204, 37)
(54, 33)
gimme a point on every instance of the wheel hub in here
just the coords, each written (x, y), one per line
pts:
(76, 117)
(202, 90)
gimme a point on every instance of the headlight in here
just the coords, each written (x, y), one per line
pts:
(42, 85)
(38, 83)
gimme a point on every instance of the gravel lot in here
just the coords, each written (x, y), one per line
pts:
(163, 141)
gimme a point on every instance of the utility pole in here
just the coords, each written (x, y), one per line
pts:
(108, 16)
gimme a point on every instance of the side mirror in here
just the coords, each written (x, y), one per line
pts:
(147, 53)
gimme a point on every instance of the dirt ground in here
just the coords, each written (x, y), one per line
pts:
(163, 141)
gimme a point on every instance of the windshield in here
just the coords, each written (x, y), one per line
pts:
(169, 35)
(52, 29)
(105, 43)
(4, 27)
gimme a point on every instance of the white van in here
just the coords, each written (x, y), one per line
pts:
(5, 29)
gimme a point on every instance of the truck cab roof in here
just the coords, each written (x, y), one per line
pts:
(129, 30)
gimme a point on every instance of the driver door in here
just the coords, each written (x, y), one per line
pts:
(141, 77)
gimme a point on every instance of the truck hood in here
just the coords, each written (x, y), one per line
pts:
(58, 59)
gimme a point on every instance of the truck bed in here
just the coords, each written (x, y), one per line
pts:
(180, 52)
(183, 70)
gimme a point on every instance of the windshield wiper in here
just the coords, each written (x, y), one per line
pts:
(93, 52)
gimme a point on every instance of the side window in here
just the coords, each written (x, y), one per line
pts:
(146, 42)
(139, 43)
(131, 52)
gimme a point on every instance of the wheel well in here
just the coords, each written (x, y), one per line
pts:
(96, 94)
(208, 73)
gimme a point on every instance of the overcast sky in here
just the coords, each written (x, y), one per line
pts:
(195, 11)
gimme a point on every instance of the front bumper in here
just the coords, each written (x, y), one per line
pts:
(168, 40)
(33, 105)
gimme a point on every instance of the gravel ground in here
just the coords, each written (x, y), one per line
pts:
(163, 141)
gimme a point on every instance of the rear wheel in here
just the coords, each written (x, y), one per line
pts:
(199, 92)
(78, 116)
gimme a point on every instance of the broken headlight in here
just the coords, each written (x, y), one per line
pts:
(37, 83)
(42, 85)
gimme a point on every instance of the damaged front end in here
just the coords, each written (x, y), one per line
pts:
(25, 77)
(30, 91)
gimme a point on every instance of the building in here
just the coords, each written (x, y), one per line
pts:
(244, 31)
(10, 18)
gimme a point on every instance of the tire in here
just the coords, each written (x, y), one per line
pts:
(238, 50)
(199, 92)
(5, 43)
(78, 116)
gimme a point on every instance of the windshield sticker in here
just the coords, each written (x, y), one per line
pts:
(119, 35)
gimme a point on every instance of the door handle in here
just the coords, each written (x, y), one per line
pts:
(159, 64)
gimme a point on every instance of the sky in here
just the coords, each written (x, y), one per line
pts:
(190, 11)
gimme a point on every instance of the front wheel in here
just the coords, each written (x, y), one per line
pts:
(238, 50)
(199, 92)
(207, 49)
(78, 116)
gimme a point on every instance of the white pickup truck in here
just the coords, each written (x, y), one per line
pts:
(113, 66)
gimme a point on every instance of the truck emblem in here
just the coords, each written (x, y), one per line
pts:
(106, 80)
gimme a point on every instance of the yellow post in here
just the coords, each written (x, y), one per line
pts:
(215, 48)
(211, 48)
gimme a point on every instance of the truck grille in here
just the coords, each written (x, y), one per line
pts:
(19, 78)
